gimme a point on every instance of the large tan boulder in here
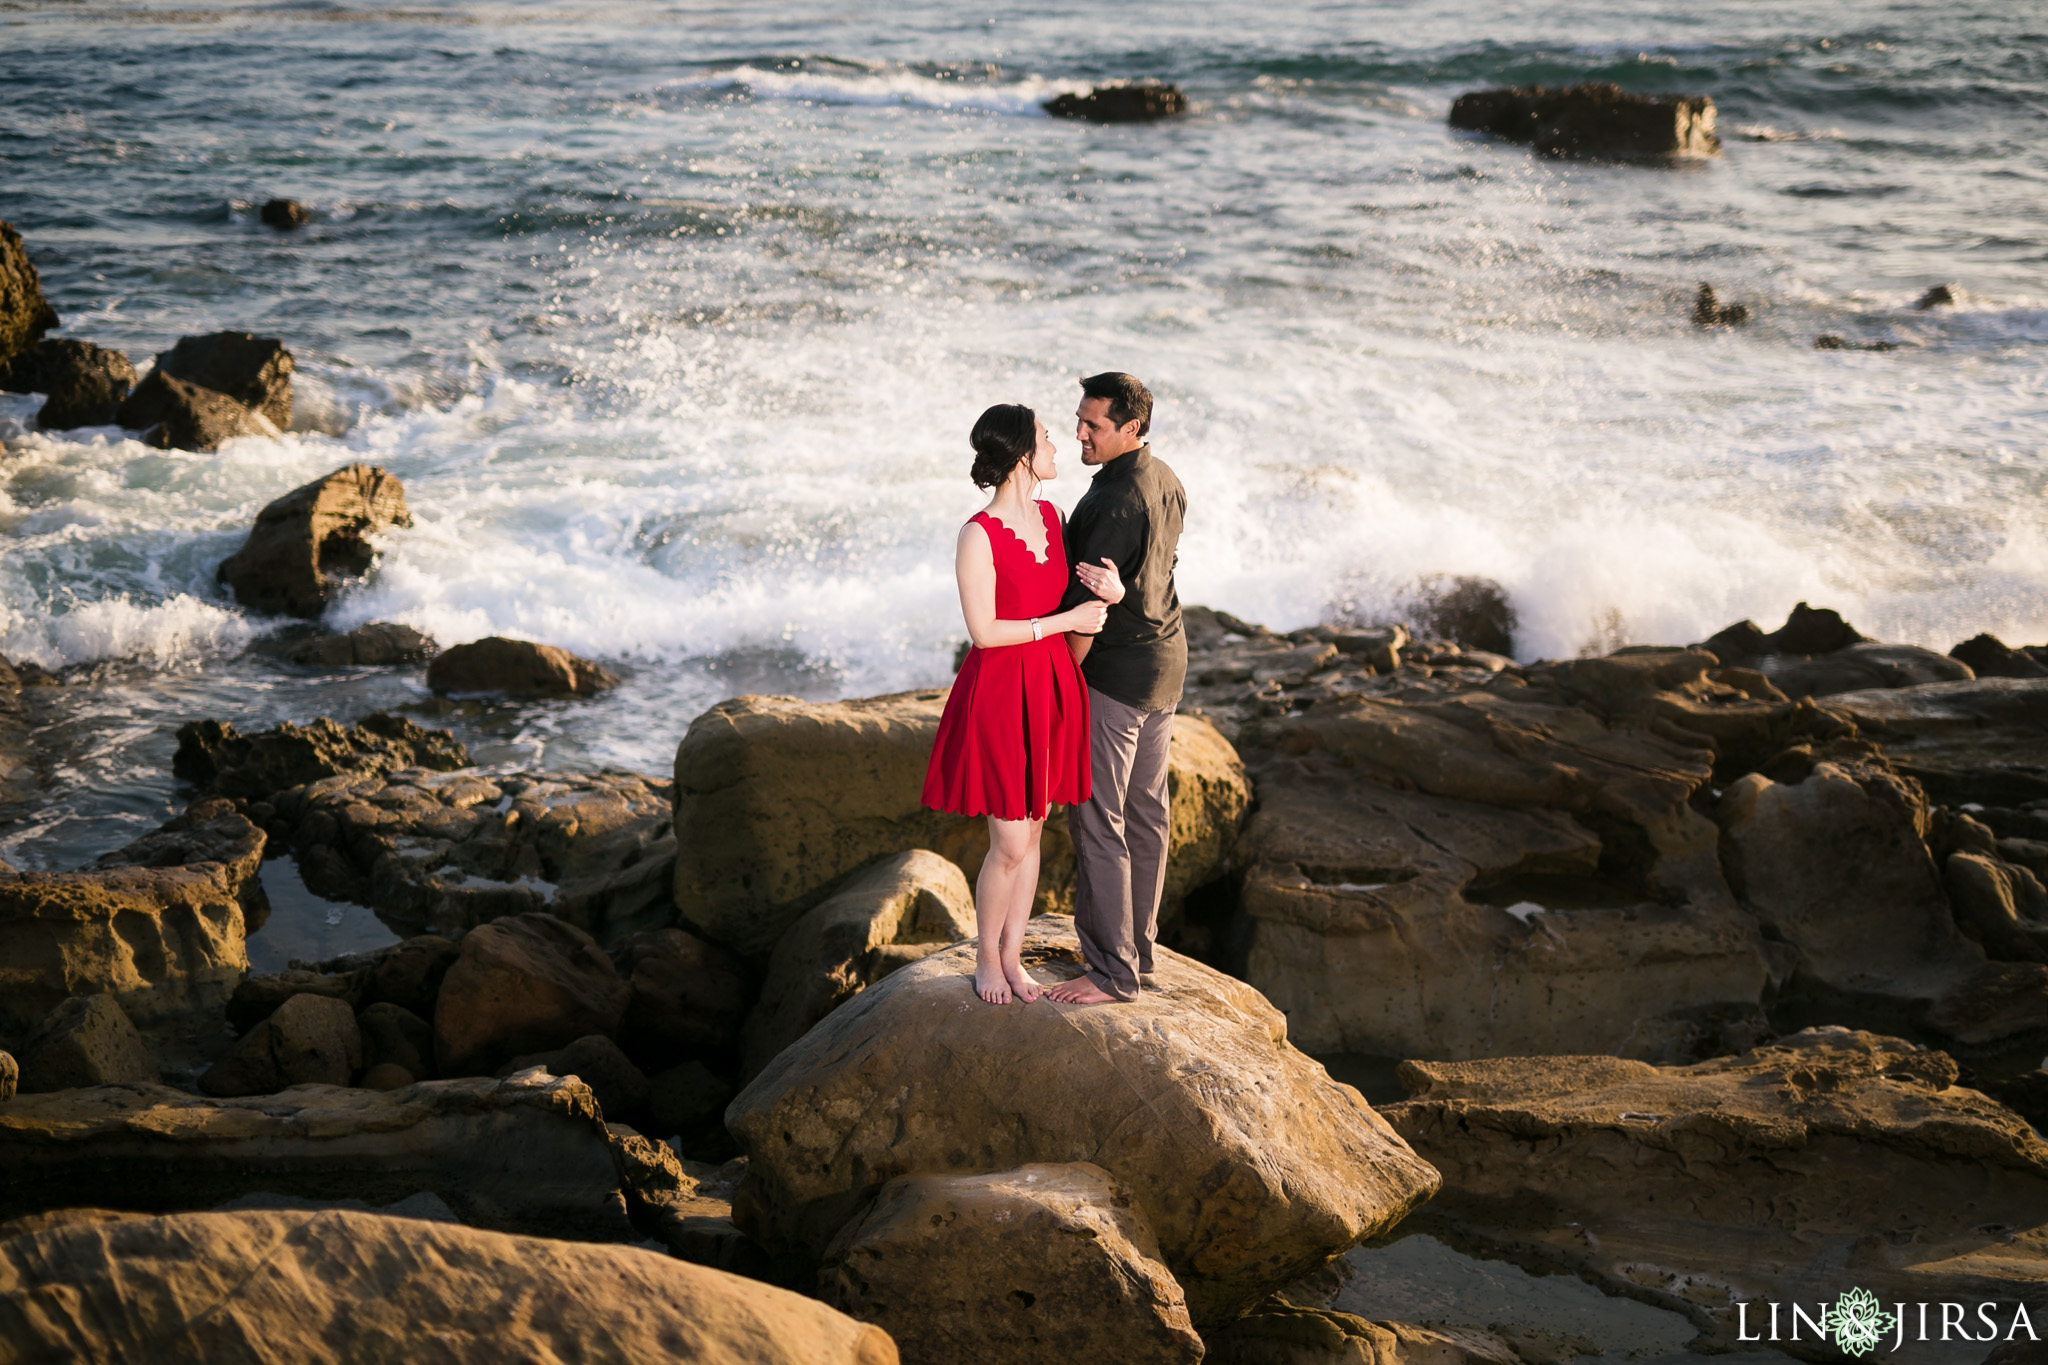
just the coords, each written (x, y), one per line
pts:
(527, 1154)
(163, 941)
(337, 1285)
(305, 542)
(87, 1040)
(1250, 1164)
(523, 984)
(1043, 1262)
(518, 668)
(308, 1040)
(778, 799)
(903, 908)
(1491, 876)
(1787, 1173)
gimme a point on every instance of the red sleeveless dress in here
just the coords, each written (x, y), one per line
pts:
(1014, 736)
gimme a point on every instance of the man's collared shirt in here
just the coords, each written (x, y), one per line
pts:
(1131, 515)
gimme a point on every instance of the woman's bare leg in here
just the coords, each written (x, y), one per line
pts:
(1012, 858)
(1023, 891)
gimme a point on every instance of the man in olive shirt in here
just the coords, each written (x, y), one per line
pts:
(1131, 517)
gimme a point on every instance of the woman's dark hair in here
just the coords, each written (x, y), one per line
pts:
(1003, 437)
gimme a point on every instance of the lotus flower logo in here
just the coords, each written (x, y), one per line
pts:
(1858, 1322)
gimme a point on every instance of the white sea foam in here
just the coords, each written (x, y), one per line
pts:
(878, 85)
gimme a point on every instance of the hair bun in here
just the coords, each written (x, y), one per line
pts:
(1003, 437)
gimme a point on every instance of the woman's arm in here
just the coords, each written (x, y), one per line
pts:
(974, 564)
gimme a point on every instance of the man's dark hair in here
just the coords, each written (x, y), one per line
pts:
(1003, 437)
(1129, 401)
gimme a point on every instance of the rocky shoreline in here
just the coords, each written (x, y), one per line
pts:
(1716, 974)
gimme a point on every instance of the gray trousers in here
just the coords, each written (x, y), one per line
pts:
(1120, 836)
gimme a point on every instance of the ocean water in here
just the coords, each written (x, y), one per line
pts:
(673, 319)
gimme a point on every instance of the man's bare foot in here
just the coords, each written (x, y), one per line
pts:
(991, 985)
(1080, 991)
(1020, 981)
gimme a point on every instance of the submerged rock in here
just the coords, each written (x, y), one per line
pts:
(1709, 311)
(1121, 102)
(1754, 1177)
(434, 851)
(284, 214)
(379, 644)
(306, 541)
(24, 313)
(375, 1290)
(218, 759)
(1039, 1263)
(1937, 296)
(902, 908)
(1251, 1166)
(526, 1154)
(1597, 119)
(517, 668)
(87, 1040)
(777, 799)
(83, 384)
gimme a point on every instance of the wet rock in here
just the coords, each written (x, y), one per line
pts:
(554, 1168)
(1709, 311)
(284, 214)
(1829, 341)
(902, 908)
(1277, 1332)
(517, 668)
(253, 371)
(396, 1037)
(209, 831)
(1121, 102)
(1190, 1096)
(82, 383)
(24, 313)
(308, 1040)
(1987, 656)
(1937, 296)
(1818, 654)
(217, 758)
(2003, 907)
(336, 1284)
(163, 941)
(380, 644)
(689, 996)
(620, 1087)
(528, 983)
(1983, 742)
(1597, 119)
(1752, 1177)
(435, 851)
(1479, 874)
(10, 1076)
(305, 542)
(176, 414)
(1474, 612)
(777, 799)
(87, 1040)
(1041, 1262)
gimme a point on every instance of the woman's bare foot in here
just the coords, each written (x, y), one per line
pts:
(991, 984)
(1080, 991)
(1020, 981)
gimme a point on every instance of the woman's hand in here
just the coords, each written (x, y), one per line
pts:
(1104, 582)
(1085, 619)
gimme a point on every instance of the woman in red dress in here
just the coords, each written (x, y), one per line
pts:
(1014, 737)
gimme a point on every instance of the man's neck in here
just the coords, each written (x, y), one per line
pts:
(1109, 461)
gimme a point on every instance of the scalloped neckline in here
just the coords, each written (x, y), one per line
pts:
(1035, 559)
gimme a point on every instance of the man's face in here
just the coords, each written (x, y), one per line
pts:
(1101, 439)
